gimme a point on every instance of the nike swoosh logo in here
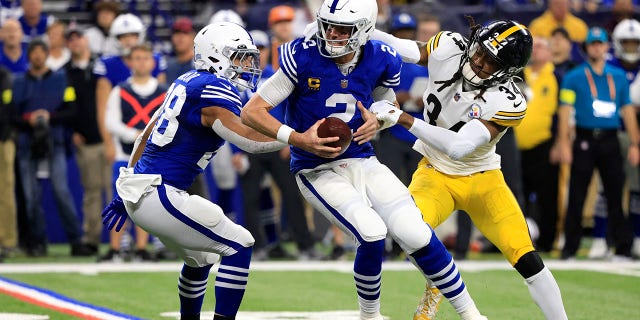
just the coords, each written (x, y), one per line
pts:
(516, 105)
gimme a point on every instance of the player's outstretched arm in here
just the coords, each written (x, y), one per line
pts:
(455, 144)
(228, 126)
(411, 51)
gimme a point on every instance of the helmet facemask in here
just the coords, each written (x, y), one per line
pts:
(244, 67)
(335, 48)
(472, 77)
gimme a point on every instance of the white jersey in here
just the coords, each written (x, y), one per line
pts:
(451, 107)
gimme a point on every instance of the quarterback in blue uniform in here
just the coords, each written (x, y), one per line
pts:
(337, 73)
(174, 148)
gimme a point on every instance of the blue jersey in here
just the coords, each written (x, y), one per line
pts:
(180, 147)
(114, 68)
(321, 90)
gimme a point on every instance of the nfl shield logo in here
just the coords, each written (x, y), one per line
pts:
(344, 83)
(456, 97)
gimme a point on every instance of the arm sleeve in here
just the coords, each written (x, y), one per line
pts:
(455, 144)
(243, 143)
(408, 49)
(113, 118)
(384, 93)
(276, 89)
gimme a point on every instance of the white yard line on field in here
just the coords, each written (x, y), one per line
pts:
(622, 268)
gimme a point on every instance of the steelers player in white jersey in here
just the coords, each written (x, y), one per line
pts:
(338, 72)
(201, 110)
(470, 102)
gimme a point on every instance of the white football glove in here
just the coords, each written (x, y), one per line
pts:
(310, 30)
(387, 112)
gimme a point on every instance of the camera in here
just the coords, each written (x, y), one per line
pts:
(41, 140)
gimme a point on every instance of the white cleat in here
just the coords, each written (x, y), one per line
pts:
(599, 249)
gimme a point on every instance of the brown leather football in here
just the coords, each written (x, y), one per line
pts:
(334, 127)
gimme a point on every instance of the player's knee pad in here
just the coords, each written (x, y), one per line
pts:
(407, 228)
(198, 259)
(367, 222)
(202, 211)
(529, 264)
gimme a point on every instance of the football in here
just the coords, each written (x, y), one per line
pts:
(334, 127)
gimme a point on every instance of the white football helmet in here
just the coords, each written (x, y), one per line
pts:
(127, 23)
(227, 49)
(226, 16)
(627, 29)
(360, 15)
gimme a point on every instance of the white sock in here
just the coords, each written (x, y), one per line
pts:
(370, 316)
(545, 292)
(463, 303)
(369, 309)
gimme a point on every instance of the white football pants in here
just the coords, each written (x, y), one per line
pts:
(364, 199)
(193, 227)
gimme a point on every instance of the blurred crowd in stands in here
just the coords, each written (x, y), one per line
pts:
(80, 79)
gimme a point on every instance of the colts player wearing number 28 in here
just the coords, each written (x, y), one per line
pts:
(338, 72)
(201, 110)
(470, 102)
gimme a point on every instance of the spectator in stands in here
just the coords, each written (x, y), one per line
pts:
(275, 164)
(599, 94)
(560, 46)
(626, 56)
(129, 32)
(9, 9)
(450, 19)
(100, 42)
(59, 54)
(182, 40)
(558, 15)
(130, 106)
(621, 10)
(13, 56)
(280, 28)
(45, 107)
(535, 137)
(34, 22)
(95, 172)
(428, 26)
(9, 226)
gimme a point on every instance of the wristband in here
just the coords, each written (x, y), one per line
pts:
(283, 133)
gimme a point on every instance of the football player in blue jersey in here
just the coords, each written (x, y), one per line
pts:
(201, 111)
(337, 73)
